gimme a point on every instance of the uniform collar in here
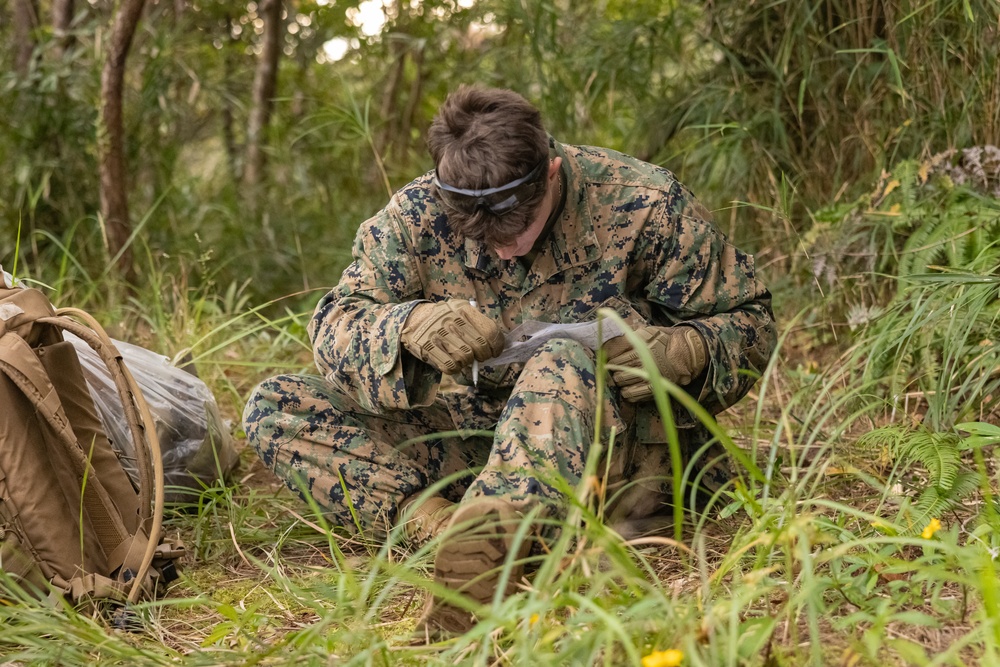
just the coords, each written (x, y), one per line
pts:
(572, 241)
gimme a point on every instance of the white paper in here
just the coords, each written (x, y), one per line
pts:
(518, 348)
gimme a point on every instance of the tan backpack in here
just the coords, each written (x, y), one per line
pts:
(71, 522)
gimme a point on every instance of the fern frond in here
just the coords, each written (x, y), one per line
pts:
(957, 246)
(918, 239)
(928, 243)
(938, 453)
(935, 501)
(883, 438)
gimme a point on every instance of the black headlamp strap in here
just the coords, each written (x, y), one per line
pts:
(479, 194)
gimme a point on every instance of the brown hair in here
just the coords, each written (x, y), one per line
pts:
(485, 138)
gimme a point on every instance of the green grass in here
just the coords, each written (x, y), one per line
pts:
(813, 555)
(877, 415)
(818, 552)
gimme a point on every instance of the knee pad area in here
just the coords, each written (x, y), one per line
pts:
(562, 360)
(563, 351)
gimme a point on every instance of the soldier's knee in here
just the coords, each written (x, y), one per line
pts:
(268, 399)
(564, 355)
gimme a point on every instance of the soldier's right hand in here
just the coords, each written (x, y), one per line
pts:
(449, 335)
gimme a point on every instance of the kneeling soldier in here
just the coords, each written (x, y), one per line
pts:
(526, 228)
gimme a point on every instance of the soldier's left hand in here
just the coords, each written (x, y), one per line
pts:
(680, 354)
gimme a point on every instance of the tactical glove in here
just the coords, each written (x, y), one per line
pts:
(680, 354)
(448, 335)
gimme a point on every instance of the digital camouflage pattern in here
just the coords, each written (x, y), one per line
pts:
(630, 238)
(319, 440)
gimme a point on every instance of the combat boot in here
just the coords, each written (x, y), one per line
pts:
(424, 517)
(470, 560)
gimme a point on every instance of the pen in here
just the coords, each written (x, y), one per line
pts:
(475, 364)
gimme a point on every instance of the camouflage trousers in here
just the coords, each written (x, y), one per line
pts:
(359, 466)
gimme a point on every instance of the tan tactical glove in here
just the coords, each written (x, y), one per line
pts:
(680, 354)
(448, 335)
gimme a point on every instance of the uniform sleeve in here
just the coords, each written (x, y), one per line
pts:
(356, 328)
(700, 279)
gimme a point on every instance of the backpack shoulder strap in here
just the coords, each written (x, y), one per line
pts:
(141, 426)
(21, 311)
(20, 364)
(136, 411)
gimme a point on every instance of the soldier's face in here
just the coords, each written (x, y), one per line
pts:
(526, 240)
(523, 243)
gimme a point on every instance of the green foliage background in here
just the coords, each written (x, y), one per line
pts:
(849, 144)
(784, 106)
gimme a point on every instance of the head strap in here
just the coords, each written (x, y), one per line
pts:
(468, 200)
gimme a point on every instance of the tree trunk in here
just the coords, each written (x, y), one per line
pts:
(389, 112)
(111, 139)
(228, 136)
(227, 116)
(62, 22)
(265, 84)
(416, 92)
(25, 23)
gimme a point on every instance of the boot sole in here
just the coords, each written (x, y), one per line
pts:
(471, 560)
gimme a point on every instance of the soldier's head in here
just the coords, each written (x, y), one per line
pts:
(492, 167)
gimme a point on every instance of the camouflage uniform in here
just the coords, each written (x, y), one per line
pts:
(629, 237)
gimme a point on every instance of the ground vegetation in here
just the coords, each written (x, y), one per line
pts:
(850, 144)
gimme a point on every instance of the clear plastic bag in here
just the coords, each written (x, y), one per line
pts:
(195, 444)
(7, 280)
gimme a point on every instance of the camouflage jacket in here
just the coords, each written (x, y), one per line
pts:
(630, 237)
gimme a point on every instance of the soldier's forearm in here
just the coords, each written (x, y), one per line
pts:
(740, 343)
(356, 346)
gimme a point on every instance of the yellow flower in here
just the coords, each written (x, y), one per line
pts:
(534, 619)
(933, 527)
(669, 658)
